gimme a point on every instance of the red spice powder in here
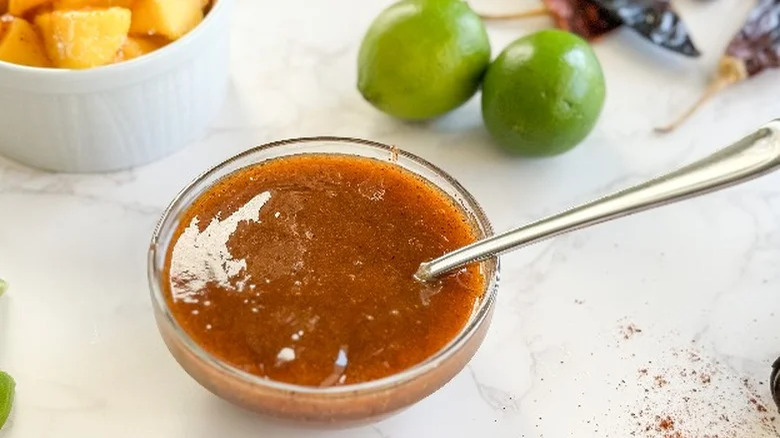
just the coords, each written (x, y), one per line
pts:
(666, 423)
(693, 395)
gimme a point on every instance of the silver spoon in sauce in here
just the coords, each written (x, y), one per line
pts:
(753, 156)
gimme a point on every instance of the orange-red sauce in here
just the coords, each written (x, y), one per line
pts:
(300, 269)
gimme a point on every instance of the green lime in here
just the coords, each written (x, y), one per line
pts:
(543, 94)
(7, 386)
(423, 58)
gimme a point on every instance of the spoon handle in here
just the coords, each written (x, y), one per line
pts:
(753, 156)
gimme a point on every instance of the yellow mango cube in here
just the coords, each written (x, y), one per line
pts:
(84, 38)
(169, 18)
(21, 7)
(83, 4)
(139, 46)
(20, 44)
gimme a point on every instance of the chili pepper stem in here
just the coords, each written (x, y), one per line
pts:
(730, 71)
(538, 12)
(713, 88)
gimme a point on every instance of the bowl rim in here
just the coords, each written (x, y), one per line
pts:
(479, 317)
(138, 63)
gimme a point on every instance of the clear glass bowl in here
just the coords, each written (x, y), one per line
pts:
(338, 405)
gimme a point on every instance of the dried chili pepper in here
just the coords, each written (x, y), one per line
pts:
(774, 382)
(583, 17)
(755, 48)
(653, 19)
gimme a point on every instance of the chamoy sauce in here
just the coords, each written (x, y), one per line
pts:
(300, 269)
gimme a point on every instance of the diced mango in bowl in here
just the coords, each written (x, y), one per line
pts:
(81, 4)
(169, 18)
(84, 38)
(20, 43)
(20, 7)
(81, 34)
(136, 46)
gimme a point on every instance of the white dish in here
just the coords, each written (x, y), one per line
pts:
(117, 116)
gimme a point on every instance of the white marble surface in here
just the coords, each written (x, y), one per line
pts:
(700, 279)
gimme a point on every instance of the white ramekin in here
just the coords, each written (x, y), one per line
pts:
(121, 115)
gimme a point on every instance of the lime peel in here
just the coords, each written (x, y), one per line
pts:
(7, 387)
(423, 58)
(543, 94)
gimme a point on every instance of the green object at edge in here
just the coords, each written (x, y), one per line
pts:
(7, 387)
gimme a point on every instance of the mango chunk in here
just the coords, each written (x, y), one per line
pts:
(169, 18)
(20, 44)
(83, 4)
(84, 38)
(3, 6)
(139, 46)
(203, 3)
(21, 7)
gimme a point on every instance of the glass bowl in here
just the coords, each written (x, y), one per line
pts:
(338, 405)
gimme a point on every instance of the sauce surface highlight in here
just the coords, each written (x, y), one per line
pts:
(299, 269)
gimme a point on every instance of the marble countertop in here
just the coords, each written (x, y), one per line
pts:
(668, 316)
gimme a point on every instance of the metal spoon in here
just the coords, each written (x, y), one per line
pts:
(751, 157)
